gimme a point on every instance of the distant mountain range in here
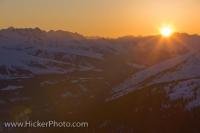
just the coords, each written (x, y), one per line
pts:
(109, 82)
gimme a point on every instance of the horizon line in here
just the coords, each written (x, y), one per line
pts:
(90, 36)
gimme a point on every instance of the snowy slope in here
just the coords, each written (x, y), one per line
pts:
(184, 70)
(188, 90)
(25, 52)
(188, 69)
(136, 80)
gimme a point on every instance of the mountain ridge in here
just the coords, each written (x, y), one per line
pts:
(64, 75)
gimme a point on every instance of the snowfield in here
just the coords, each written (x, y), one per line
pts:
(136, 80)
(184, 69)
(11, 88)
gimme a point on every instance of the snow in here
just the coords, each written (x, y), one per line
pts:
(138, 66)
(13, 59)
(67, 94)
(10, 77)
(188, 90)
(49, 82)
(5, 77)
(185, 92)
(75, 81)
(11, 88)
(85, 53)
(34, 51)
(193, 104)
(56, 52)
(182, 89)
(19, 99)
(86, 68)
(135, 82)
(83, 88)
(189, 69)
(181, 74)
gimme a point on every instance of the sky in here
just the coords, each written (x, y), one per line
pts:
(109, 18)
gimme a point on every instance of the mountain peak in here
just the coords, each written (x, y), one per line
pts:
(22, 29)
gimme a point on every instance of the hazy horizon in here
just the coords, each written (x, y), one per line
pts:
(112, 18)
(96, 36)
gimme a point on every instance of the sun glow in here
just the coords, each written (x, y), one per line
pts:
(166, 31)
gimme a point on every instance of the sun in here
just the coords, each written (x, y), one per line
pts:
(166, 31)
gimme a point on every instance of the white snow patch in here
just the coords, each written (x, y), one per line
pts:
(49, 82)
(193, 104)
(67, 94)
(183, 89)
(135, 81)
(188, 90)
(11, 88)
(187, 70)
(19, 99)
(138, 66)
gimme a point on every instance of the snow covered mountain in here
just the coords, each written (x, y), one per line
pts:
(32, 51)
(180, 74)
(67, 75)
(36, 66)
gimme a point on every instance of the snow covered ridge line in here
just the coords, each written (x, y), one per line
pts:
(136, 81)
(25, 52)
(11, 88)
(12, 59)
(187, 90)
(11, 77)
(31, 31)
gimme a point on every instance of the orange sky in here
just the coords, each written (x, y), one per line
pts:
(109, 18)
